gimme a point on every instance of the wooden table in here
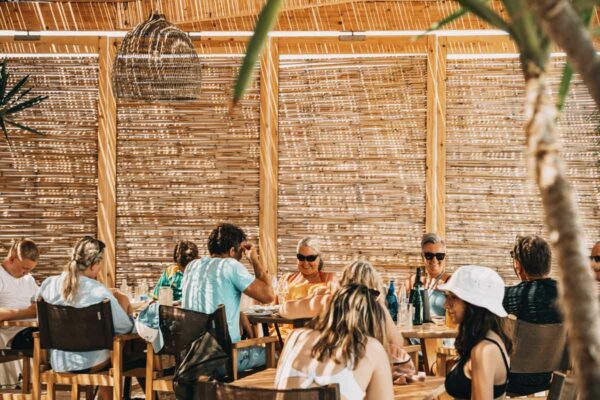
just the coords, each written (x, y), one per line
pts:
(430, 336)
(431, 388)
(274, 319)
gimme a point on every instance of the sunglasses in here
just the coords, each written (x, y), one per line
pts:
(309, 258)
(439, 256)
(595, 258)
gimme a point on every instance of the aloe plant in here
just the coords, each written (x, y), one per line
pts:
(12, 102)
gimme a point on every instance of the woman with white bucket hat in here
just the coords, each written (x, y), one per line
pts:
(474, 301)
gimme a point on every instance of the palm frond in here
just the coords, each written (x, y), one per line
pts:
(21, 126)
(3, 78)
(484, 12)
(14, 90)
(265, 23)
(3, 126)
(23, 105)
(565, 84)
(445, 21)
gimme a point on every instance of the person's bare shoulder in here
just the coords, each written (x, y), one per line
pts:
(375, 352)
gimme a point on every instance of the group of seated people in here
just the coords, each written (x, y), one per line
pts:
(351, 339)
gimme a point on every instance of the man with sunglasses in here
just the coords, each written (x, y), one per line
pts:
(534, 300)
(595, 260)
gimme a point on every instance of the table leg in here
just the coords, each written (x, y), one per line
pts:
(429, 348)
(279, 335)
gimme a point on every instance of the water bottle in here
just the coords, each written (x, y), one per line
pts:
(392, 301)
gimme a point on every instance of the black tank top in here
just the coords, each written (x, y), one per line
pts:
(458, 385)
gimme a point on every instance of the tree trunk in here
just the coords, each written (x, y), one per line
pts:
(561, 22)
(577, 286)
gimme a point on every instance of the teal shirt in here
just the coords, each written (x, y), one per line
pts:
(209, 282)
(89, 292)
(173, 278)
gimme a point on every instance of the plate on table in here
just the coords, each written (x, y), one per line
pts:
(262, 310)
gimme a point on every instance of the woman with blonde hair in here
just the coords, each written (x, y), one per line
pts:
(78, 287)
(345, 345)
(360, 272)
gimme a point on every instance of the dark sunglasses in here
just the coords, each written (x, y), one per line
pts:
(439, 256)
(595, 258)
(310, 258)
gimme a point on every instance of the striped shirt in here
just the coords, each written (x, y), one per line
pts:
(89, 292)
(209, 282)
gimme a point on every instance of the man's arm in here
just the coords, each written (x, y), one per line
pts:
(261, 288)
(8, 314)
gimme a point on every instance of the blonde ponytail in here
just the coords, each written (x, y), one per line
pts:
(87, 252)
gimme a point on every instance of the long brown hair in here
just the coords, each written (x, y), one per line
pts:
(476, 323)
(87, 252)
(185, 251)
(353, 316)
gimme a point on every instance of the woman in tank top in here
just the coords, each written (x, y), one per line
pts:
(344, 346)
(474, 301)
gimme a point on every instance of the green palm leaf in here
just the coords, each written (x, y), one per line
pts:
(484, 12)
(445, 21)
(3, 79)
(14, 90)
(265, 23)
(23, 105)
(21, 126)
(12, 102)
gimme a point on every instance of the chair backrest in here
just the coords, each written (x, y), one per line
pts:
(562, 387)
(180, 327)
(538, 347)
(211, 390)
(90, 328)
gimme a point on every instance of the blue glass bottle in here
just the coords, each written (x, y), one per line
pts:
(392, 301)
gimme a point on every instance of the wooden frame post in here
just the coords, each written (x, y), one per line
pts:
(269, 105)
(435, 215)
(107, 160)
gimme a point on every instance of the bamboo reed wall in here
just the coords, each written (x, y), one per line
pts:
(48, 183)
(182, 168)
(490, 196)
(352, 141)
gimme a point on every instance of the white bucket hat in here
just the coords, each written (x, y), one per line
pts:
(479, 286)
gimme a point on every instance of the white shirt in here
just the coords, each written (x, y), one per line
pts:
(15, 293)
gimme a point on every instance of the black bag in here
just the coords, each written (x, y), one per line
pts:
(203, 357)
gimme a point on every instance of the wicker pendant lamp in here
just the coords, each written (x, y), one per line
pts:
(157, 61)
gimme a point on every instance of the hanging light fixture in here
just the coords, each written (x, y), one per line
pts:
(157, 61)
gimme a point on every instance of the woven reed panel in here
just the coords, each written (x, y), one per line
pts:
(182, 168)
(48, 185)
(490, 196)
(352, 140)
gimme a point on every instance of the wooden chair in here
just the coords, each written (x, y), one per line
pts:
(92, 329)
(211, 390)
(413, 351)
(25, 357)
(181, 327)
(538, 348)
(562, 387)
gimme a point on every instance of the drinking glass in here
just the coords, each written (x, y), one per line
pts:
(165, 296)
(283, 290)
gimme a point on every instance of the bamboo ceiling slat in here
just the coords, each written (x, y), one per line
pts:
(352, 141)
(237, 15)
(182, 168)
(48, 183)
(487, 177)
